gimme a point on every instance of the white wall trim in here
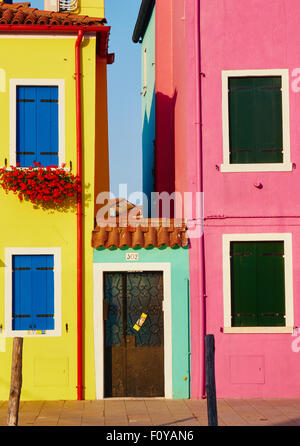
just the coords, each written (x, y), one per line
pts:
(254, 330)
(99, 269)
(259, 167)
(9, 252)
(288, 271)
(13, 83)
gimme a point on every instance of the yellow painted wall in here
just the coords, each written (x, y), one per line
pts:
(50, 364)
(92, 8)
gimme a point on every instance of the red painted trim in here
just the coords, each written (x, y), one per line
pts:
(103, 31)
(56, 28)
(79, 215)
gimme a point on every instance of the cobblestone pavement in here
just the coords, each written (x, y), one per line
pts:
(155, 412)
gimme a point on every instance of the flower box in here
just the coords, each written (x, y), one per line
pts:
(39, 184)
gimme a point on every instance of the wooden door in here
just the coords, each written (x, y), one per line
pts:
(134, 357)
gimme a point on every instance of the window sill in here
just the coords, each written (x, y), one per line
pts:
(268, 167)
(31, 333)
(258, 330)
(66, 169)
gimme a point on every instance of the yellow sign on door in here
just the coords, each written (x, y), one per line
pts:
(140, 322)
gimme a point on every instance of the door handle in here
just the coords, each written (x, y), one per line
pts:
(130, 340)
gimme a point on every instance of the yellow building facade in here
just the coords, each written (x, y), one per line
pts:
(91, 8)
(48, 59)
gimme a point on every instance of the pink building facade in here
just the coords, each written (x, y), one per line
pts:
(207, 53)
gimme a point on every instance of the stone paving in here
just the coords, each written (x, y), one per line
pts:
(155, 412)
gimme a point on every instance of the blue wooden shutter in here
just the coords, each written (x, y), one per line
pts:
(33, 292)
(37, 125)
(21, 299)
(47, 125)
(26, 126)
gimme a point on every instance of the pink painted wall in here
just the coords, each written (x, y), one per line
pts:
(251, 365)
(260, 35)
(170, 91)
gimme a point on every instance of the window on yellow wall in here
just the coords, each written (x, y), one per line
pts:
(37, 125)
(33, 292)
(37, 122)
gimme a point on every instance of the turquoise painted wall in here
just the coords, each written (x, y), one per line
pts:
(148, 109)
(179, 261)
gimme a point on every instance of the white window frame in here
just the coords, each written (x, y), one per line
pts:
(288, 275)
(286, 165)
(9, 252)
(99, 269)
(13, 84)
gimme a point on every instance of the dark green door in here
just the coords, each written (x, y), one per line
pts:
(134, 356)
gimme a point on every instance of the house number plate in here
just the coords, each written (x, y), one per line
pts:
(131, 256)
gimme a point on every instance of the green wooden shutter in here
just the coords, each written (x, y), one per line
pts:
(270, 280)
(241, 120)
(257, 284)
(255, 119)
(243, 284)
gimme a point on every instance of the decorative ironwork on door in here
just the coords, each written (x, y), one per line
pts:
(134, 334)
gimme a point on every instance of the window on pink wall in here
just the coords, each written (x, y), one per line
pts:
(255, 120)
(258, 283)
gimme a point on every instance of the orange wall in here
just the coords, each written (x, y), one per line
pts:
(101, 129)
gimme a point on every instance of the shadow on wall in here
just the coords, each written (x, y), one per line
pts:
(165, 145)
(148, 152)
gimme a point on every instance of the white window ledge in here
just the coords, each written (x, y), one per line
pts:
(258, 330)
(267, 167)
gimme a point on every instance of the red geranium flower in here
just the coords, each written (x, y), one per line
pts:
(39, 184)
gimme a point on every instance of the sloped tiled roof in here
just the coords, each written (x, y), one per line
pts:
(146, 233)
(143, 19)
(23, 14)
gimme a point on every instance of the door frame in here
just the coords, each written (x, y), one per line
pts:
(99, 270)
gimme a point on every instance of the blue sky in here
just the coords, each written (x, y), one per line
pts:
(34, 3)
(124, 100)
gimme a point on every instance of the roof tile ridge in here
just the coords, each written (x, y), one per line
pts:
(15, 5)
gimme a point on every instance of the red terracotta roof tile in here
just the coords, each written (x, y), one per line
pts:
(20, 17)
(23, 14)
(124, 225)
(145, 233)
